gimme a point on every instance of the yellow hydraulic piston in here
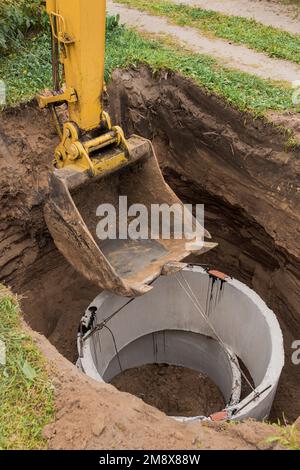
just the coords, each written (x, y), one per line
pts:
(79, 28)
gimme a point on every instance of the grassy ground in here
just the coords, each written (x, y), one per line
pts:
(26, 393)
(288, 437)
(29, 70)
(274, 42)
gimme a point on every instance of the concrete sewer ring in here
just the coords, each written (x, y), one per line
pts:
(194, 319)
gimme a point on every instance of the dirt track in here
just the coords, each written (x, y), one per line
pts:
(230, 55)
(269, 12)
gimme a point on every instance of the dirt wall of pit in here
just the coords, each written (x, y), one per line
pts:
(210, 153)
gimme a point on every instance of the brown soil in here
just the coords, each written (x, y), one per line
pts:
(174, 390)
(239, 167)
(54, 296)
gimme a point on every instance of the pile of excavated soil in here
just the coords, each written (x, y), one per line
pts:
(176, 391)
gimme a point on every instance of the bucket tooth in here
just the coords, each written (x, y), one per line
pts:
(126, 267)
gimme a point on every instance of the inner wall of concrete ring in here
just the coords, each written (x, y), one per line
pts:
(238, 315)
(181, 348)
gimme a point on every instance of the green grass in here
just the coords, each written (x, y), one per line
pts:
(29, 71)
(286, 436)
(18, 18)
(26, 393)
(247, 92)
(273, 41)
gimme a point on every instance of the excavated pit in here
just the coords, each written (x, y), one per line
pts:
(209, 153)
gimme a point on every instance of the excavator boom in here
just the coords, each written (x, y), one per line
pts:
(95, 164)
(79, 26)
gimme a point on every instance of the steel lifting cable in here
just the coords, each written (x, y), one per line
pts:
(103, 325)
(196, 303)
(115, 345)
(104, 322)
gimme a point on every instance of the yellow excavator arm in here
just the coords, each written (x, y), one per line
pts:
(95, 164)
(80, 28)
(78, 32)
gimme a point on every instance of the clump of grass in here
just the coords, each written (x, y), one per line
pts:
(291, 142)
(286, 436)
(273, 41)
(26, 393)
(29, 71)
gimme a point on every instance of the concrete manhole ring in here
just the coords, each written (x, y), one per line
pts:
(196, 319)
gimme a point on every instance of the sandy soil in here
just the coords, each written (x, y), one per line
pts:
(174, 390)
(268, 12)
(230, 55)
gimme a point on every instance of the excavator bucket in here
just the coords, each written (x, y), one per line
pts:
(124, 266)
